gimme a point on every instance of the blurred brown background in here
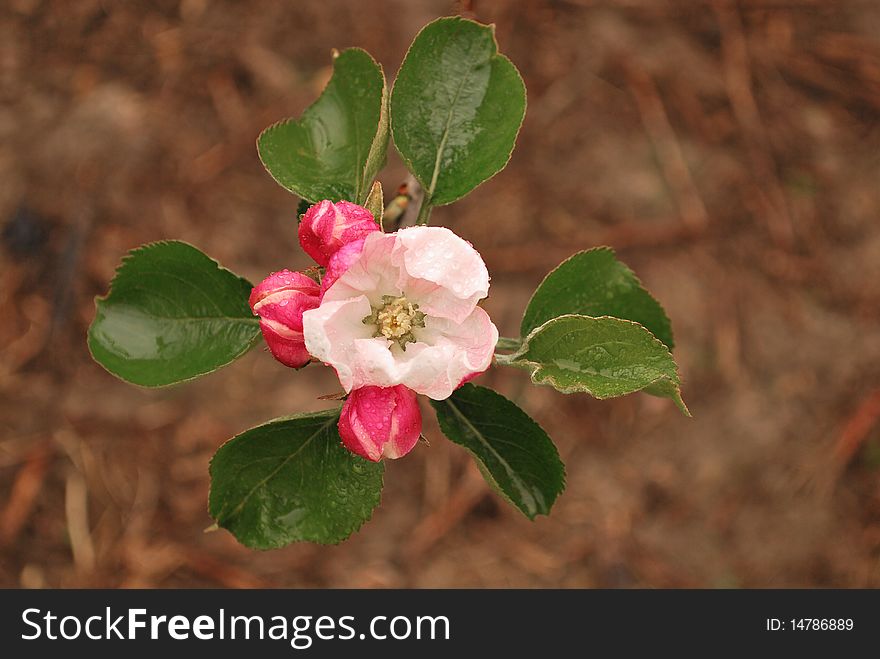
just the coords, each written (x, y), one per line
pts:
(729, 151)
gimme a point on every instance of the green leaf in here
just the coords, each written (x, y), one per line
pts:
(595, 283)
(456, 108)
(291, 480)
(604, 357)
(375, 203)
(339, 145)
(172, 314)
(514, 453)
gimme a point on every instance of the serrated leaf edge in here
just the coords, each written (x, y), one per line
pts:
(332, 415)
(516, 359)
(602, 248)
(487, 475)
(383, 113)
(377, 145)
(132, 253)
(407, 161)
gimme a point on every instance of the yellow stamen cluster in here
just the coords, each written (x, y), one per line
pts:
(395, 319)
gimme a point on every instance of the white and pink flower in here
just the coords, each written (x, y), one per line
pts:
(404, 311)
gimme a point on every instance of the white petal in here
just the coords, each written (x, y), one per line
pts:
(428, 371)
(456, 351)
(440, 271)
(372, 274)
(373, 363)
(474, 339)
(332, 330)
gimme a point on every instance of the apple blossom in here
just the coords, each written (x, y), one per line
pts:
(379, 422)
(396, 315)
(326, 227)
(404, 311)
(279, 301)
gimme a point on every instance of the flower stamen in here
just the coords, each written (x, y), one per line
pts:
(395, 319)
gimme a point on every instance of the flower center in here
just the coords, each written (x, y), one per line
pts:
(395, 319)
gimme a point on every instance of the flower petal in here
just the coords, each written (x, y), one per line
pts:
(370, 273)
(331, 331)
(340, 262)
(474, 339)
(441, 271)
(406, 425)
(456, 351)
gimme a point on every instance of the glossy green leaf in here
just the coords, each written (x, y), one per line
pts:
(291, 480)
(604, 357)
(595, 283)
(172, 314)
(335, 150)
(514, 453)
(456, 108)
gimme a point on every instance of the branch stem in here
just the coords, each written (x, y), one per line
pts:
(424, 211)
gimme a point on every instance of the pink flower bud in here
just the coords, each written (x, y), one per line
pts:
(379, 422)
(279, 301)
(327, 226)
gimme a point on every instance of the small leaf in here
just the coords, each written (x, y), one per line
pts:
(595, 283)
(339, 145)
(514, 453)
(172, 314)
(456, 108)
(604, 357)
(375, 203)
(292, 480)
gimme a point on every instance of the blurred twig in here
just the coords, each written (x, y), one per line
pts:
(433, 527)
(77, 513)
(738, 81)
(662, 6)
(856, 429)
(829, 466)
(25, 489)
(525, 258)
(667, 147)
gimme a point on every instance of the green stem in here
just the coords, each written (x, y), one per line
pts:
(507, 343)
(505, 360)
(424, 211)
